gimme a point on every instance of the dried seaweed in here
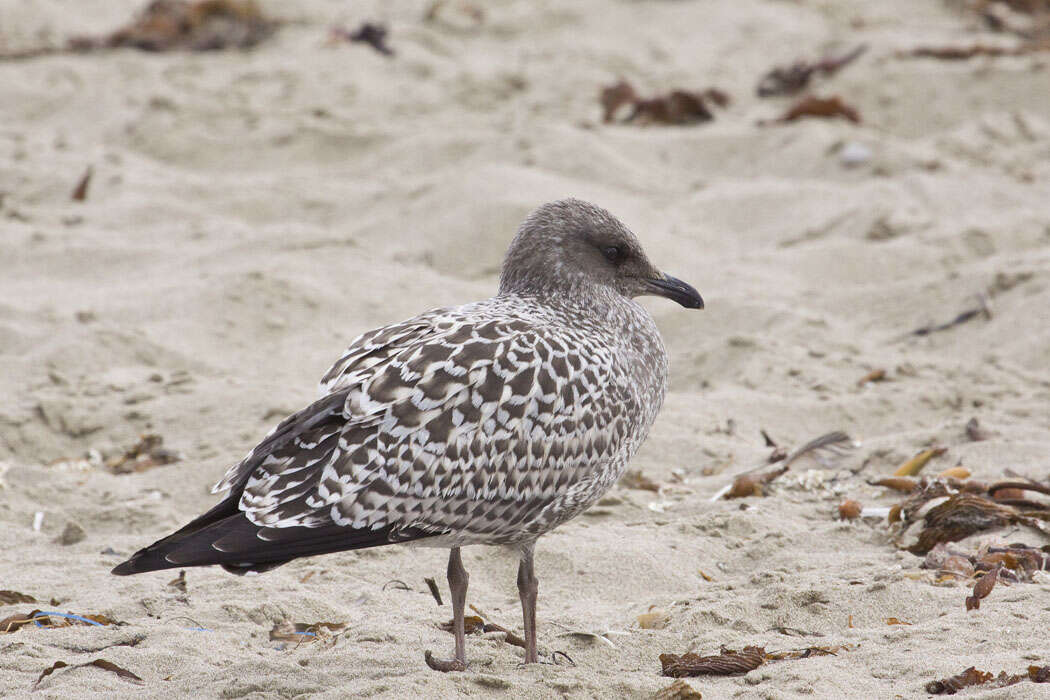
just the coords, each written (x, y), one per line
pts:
(956, 472)
(679, 690)
(51, 619)
(982, 588)
(80, 192)
(14, 597)
(370, 33)
(147, 453)
(875, 375)
(962, 515)
(897, 483)
(179, 582)
(950, 686)
(730, 662)
(675, 108)
(122, 673)
(914, 465)
(201, 25)
(726, 663)
(972, 677)
(822, 107)
(752, 484)
(948, 562)
(791, 79)
(472, 624)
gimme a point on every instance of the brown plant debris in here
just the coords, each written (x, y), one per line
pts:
(972, 677)
(676, 107)
(635, 479)
(962, 515)
(304, 632)
(826, 450)
(122, 673)
(982, 588)
(729, 662)
(897, 483)
(896, 621)
(850, 509)
(200, 25)
(788, 80)
(14, 597)
(982, 310)
(370, 33)
(434, 591)
(80, 192)
(472, 624)
(51, 620)
(753, 484)
(914, 465)
(962, 53)
(875, 375)
(725, 663)
(679, 690)
(147, 453)
(822, 107)
(956, 472)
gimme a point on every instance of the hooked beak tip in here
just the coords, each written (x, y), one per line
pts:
(676, 290)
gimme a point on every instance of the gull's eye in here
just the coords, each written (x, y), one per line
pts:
(613, 254)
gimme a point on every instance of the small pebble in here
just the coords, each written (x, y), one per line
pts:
(854, 154)
(72, 534)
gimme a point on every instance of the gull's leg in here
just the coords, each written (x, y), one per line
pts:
(527, 587)
(457, 583)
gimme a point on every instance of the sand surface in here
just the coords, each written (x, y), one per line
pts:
(251, 212)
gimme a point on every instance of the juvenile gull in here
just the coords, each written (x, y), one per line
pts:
(489, 423)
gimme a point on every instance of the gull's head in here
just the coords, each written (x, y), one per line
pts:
(573, 246)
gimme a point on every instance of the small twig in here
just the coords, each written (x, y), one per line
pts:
(432, 584)
(556, 654)
(983, 309)
(80, 192)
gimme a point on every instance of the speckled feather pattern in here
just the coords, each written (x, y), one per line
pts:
(489, 423)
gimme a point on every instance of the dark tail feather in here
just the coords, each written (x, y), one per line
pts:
(241, 546)
(151, 558)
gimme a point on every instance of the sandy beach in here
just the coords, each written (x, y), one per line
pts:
(251, 211)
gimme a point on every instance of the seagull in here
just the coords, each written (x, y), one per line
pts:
(488, 423)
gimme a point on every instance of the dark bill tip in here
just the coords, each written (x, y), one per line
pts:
(676, 290)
